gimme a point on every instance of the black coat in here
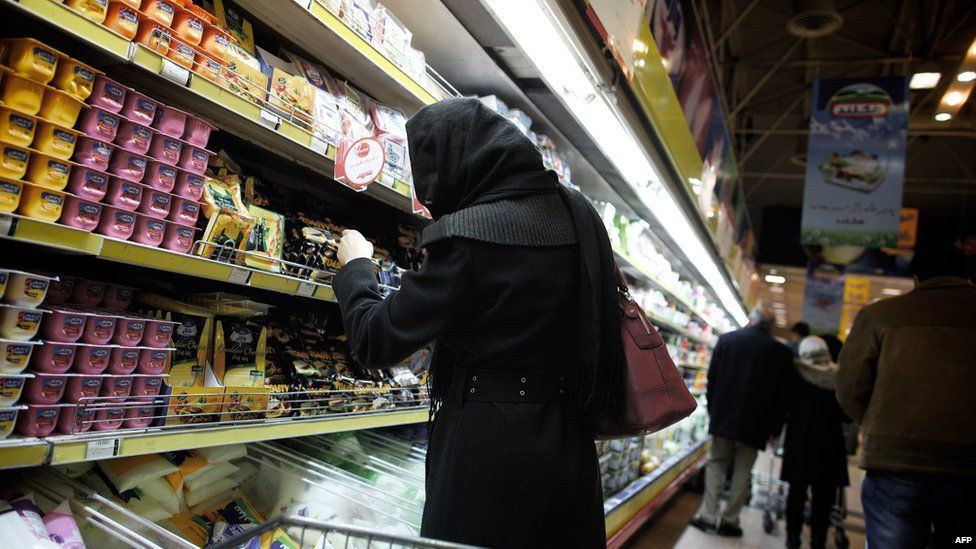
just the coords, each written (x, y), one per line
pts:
(747, 386)
(813, 452)
(500, 474)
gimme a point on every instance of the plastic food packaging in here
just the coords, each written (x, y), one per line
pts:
(140, 413)
(159, 333)
(118, 297)
(226, 232)
(179, 238)
(184, 211)
(197, 131)
(92, 359)
(15, 355)
(134, 137)
(55, 140)
(20, 93)
(45, 388)
(160, 176)
(128, 165)
(222, 194)
(188, 26)
(139, 108)
(4, 276)
(89, 292)
(108, 94)
(11, 387)
(266, 239)
(20, 323)
(124, 360)
(153, 361)
(41, 203)
(100, 328)
(144, 386)
(116, 223)
(124, 194)
(48, 172)
(10, 193)
(38, 420)
(194, 159)
(156, 204)
(208, 66)
(82, 387)
(93, 153)
(75, 419)
(129, 330)
(100, 124)
(8, 419)
(189, 185)
(60, 290)
(60, 107)
(16, 129)
(32, 59)
(170, 121)
(108, 417)
(181, 53)
(13, 165)
(53, 357)
(123, 19)
(116, 387)
(81, 214)
(215, 41)
(65, 325)
(26, 289)
(149, 230)
(166, 149)
(74, 77)
(62, 528)
(154, 36)
(92, 9)
(161, 11)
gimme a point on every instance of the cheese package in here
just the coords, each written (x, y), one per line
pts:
(242, 77)
(265, 239)
(227, 232)
(222, 193)
(240, 353)
(246, 403)
(390, 35)
(293, 95)
(239, 27)
(128, 472)
(194, 405)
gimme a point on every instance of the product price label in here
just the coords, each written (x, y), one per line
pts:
(7, 225)
(307, 4)
(239, 276)
(269, 120)
(320, 146)
(306, 289)
(101, 449)
(175, 72)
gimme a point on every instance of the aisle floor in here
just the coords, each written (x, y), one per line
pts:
(671, 530)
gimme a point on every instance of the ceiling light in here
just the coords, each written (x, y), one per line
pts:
(954, 98)
(943, 117)
(891, 291)
(966, 76)
(775, 279)
(777, 289)
(924, 80)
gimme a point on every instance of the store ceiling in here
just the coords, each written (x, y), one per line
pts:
(767, 72)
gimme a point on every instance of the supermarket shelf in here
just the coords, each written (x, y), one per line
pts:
(628, 510)
(315, 29)
(60, 237)
(230, 112)
(667, 324)
(16, 453)
(693, 366)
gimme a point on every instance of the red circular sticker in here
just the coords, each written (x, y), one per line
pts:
(363, 163)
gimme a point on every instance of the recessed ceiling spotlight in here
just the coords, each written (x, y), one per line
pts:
(943, 117)
(966, 76)
(775, 279)
(924, 80)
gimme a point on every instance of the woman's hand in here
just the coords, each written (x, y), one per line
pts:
(353, 245)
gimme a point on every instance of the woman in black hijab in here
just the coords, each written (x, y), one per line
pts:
(518, 296)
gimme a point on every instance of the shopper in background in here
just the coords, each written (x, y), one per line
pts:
(814, 457)
(908, 376)
(799, 331)
(746, 409)
(517, 268)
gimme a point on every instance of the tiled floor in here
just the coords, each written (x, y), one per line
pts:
(671, 530)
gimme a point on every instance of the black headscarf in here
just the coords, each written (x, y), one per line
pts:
(482, 178)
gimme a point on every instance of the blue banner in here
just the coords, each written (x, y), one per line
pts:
(823, 299)
(855, 162)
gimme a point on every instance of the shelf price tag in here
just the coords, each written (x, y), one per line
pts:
(174, 72)
(239, 275)
(7, 225)
(307, 4)
(269, 120)
(320, 146)
(306, 289)
(103, 448)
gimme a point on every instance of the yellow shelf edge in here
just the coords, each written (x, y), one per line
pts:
(76, 24)
(15, 453)
(56, 236)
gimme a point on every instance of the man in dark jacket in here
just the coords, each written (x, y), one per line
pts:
(746, 407)
(907, 376)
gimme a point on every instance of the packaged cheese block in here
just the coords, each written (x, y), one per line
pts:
(190, 466)
(215, 472)
(240, 353)
(239, 27)
(128, 472)
(293, 95)
(222, 193)
(265, 239)
(220, 454)
(207, 491)
(161, 491)
(227, 231)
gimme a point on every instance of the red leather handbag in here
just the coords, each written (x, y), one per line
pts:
(656, 395)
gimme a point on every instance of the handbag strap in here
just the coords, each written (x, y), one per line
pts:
(622, 286)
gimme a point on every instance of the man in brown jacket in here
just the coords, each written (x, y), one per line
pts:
(908, 376)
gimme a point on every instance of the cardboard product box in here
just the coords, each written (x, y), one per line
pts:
(245, 403)
(195, 405)
(240, 353)
(240, 28)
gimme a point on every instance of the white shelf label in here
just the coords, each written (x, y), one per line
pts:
(269, 120)
(239, 275)
(175, 72)
(101, 449)
(320, 146)
(306, 289)
(7, 226)
(307, 4)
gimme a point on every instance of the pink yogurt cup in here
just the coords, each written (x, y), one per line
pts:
(143, 386)
(189, 185)
(92, 359)
(64, 325)
(88, 292)
(75, 419)
(156, 203)
(139, 108)
(59, 291)
(166, 149)
(125, 360)
(170, 121)
(116, 223)
(107, 94)
(88, 184)
(82, 387)
(149, 230)
(53, 357)
(179, 238)
(160, 176)
(195, 159)
(129, 331)
(197, 131)
(44, 388)
(80, 213)
(139, 413)
(153, 361)
(99, 123)
(108, 417)
(37, 420)
(159, 333)
(93, 153)
(116, 387)
(118, 297)
(124, 194)
(128, 165)
(134, 137)
(100, 328)
(184, 211)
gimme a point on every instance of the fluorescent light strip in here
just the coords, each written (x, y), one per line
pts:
(534, 29)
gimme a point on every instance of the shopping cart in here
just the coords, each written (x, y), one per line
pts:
(318, 534)
(771, 491)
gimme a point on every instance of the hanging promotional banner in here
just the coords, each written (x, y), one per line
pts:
(855, 162)
(360, 163)
(823, 300)
(856, 290)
